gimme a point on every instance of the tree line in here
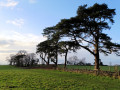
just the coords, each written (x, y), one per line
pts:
(23, 59)
(85, 30)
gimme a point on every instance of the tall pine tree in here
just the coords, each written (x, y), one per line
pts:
(87, 27)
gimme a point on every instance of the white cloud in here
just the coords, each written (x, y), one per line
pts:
(18, 39)
(16, 22)
(12, 42)
(8, 3)
(32, 1)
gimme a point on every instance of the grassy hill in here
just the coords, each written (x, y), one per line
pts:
(12, 78)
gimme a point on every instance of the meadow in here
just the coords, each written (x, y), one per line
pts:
(12, 78)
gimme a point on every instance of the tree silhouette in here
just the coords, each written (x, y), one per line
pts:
(87, 27)
(65, 47)
(53, 36)
(43, 49)
(23, 59)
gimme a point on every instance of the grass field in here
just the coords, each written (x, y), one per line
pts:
(12, 78)
(104, 68)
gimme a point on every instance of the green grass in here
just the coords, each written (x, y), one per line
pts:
(104, 68)
(7, 67)
(12, 78)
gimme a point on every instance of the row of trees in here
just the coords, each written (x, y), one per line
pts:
(50, 49)
(23, 59)
(85, 30)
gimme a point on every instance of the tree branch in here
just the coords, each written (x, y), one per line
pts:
(86, 40)
(84, 46)
(43, 58)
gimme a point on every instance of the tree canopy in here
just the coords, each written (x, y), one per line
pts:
(86, 30)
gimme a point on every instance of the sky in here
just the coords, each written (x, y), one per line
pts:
(22, 23)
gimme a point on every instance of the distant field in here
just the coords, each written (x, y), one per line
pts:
(104, 68)
(12, 78)
(7, 67)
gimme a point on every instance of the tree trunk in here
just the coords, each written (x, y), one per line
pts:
(48, 60)
(43, 59)
(11, 62)
(96, 62)
(65, 59)
(56, 64)
(41, 56)
(96, 51)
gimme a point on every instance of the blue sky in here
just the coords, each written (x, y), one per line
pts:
(23, 21)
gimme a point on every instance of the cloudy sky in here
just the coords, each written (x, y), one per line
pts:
(22, 22)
